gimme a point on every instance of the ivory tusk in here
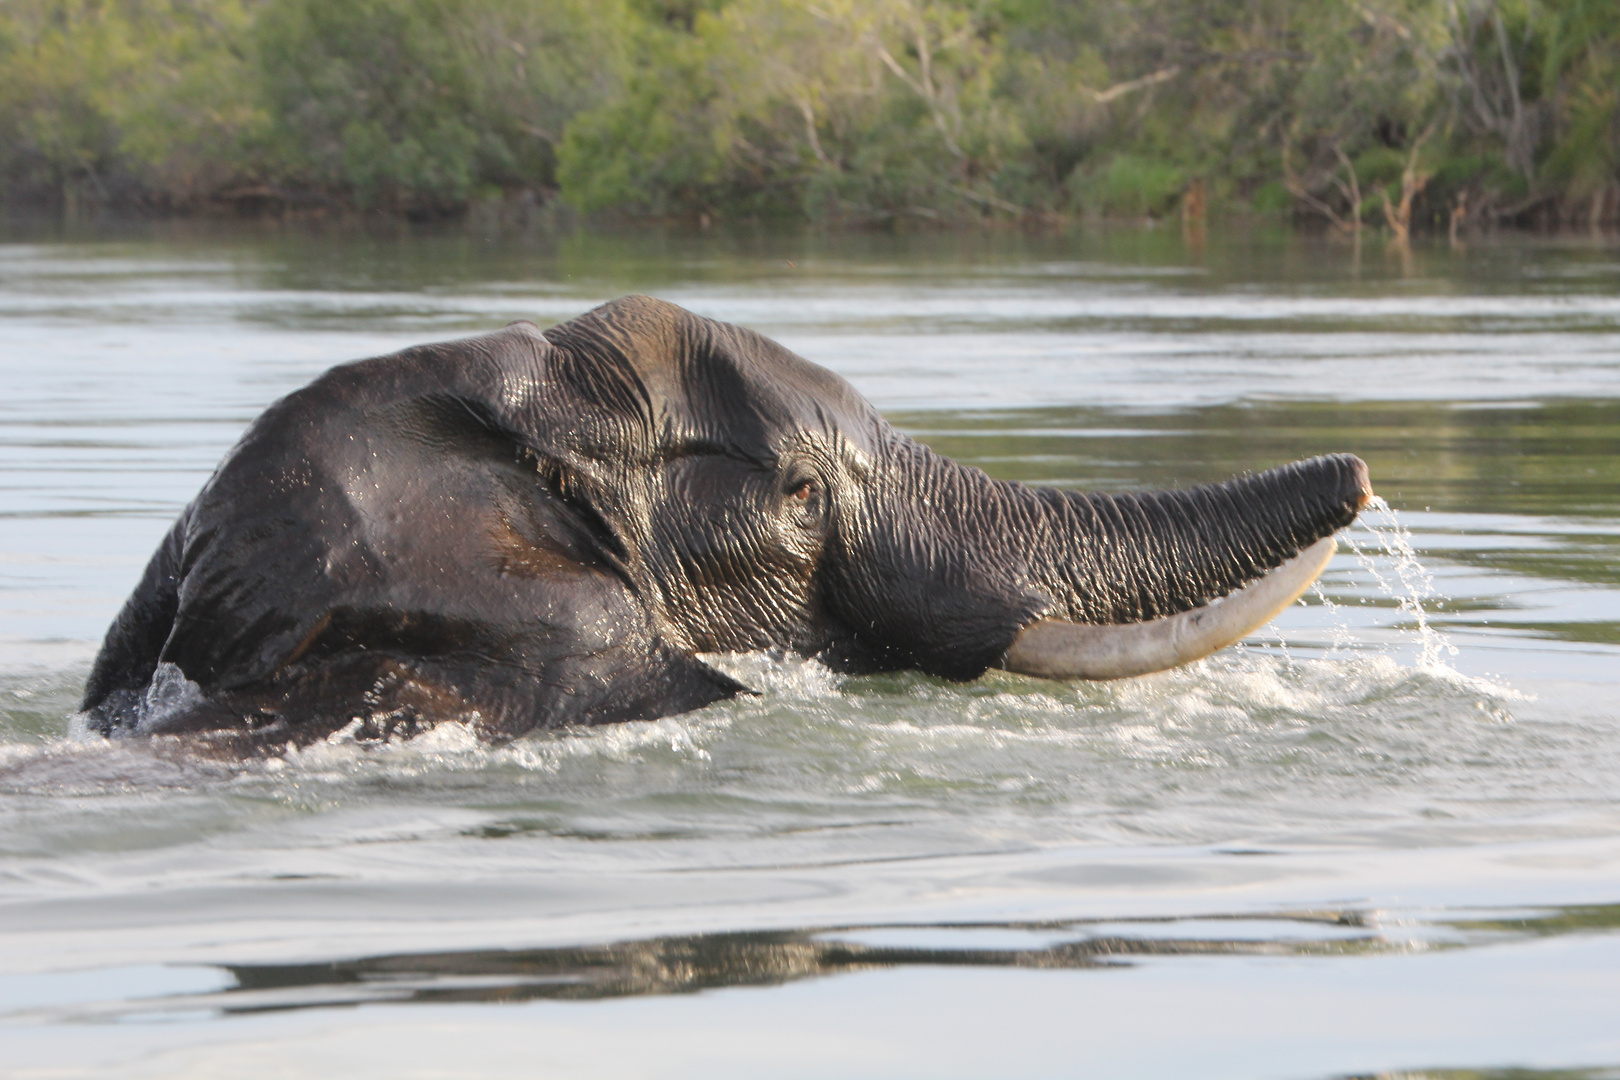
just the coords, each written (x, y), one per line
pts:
(1054, 649)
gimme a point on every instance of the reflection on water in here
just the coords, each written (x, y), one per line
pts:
(688, 964)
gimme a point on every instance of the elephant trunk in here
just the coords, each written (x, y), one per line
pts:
(974, 572)
(1174, 576)
(1131, 558)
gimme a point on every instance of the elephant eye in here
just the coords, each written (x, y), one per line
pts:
(804, 491)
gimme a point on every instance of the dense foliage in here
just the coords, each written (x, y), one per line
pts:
(1401, 113)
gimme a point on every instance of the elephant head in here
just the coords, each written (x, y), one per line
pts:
(534, 529)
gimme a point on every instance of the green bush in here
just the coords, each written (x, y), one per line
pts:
(124, 98)
(856, 110)
(1130, 187)
(1272, 198)
(655, 148)
(415, 104)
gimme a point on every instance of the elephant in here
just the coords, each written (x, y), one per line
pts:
(540, 529)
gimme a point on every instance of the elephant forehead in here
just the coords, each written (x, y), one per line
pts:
(698, 380)
(771, 406)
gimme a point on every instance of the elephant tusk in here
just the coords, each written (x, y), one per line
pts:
(1054, 649)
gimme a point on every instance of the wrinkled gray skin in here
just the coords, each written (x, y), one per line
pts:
(527, 530)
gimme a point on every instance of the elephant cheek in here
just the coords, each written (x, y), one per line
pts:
(955, 622)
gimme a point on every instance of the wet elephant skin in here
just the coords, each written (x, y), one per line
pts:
(529, 529)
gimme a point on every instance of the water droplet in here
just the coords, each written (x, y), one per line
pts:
(1413, 583)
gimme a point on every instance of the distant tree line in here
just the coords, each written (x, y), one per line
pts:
(1401, 114)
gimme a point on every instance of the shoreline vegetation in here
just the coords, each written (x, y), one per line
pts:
(1434, 116)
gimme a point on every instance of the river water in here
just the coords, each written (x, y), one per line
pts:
(1381, 836)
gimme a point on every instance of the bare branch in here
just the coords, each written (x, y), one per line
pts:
(1509, 66)
(809, 114)
(989, 200)
(1412, 184)
(1298, 191)
(1118, 90)
(923, 89)
(1353, 193)
(893, 65)
(1382, 18)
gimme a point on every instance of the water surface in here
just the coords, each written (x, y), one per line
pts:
(1381, 835)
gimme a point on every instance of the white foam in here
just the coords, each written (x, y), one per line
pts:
(778, 673)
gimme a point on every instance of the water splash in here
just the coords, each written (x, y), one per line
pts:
(1414, 583)
(1340, 636)
(142, 712)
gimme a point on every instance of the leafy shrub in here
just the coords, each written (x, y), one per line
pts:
(416, 104)
(102, 100)
(1129, 187)
(861, 110)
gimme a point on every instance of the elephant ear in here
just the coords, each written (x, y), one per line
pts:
(390, 541)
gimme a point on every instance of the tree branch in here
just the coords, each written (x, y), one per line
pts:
(1118, 90)
(924, 90)
(989, 200)
(809, 114)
